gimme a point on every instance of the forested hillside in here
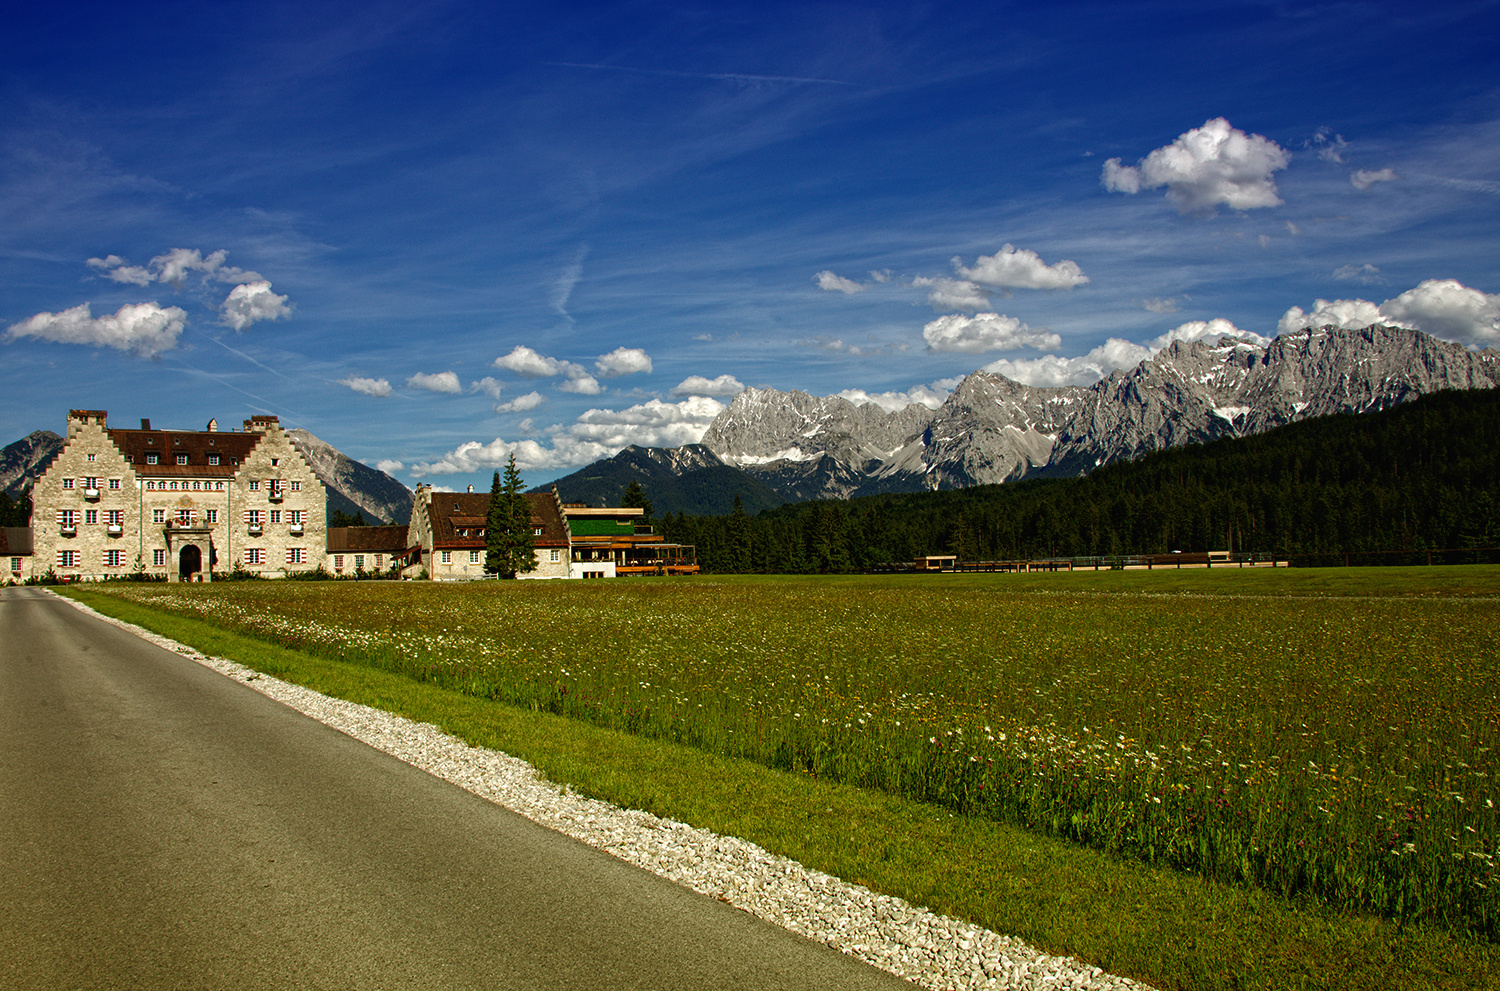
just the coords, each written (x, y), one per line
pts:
(1424, 475)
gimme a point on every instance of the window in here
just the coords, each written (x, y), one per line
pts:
(294, 517)
(67, 483)
(219, 486)
(554, 558)
(67, 559)
(338, 562)
(211, 516)
(114, 485)
(158, 558)
(91, 483)
(275, 462)
(182, 459)
(67, 517)
(158, 516)
(255, 555)
(130, 459)
(91, 517)
(359, 562)
(473, 557)
(174, 486)
(152, 458)
(254, 485)
(184, 517)
(213, 459)
(275, 516)
(378, 564)
(196, 486)
(114, 517)
(296, 555)
(113, 559)
(447, 557)
(296, 486)
(93, 458)
(536, 531)
(15, 566)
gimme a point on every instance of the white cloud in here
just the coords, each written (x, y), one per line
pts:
(1330, 149)
(623, 361)
(1018, 268)
(581, 383)
(953, 294)
(436, 382)
(1050, 370)
(829, 282)
(1204, 330)
(488, 385)
(144, 329)
(698, 385)
(388, 466)
(1365, 178)
(114, 268)
(173, 268)
(251, 302)
(1349, 314)
(370, 387)
(881, 275)
(1365, 273)
(1168, 305)
(521, 403)
(598, 433)
(529, 364)
(1209, 165)
(984, 332)
(1450, 309)
(931, 396)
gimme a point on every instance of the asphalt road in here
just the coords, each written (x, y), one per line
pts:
(162, 826)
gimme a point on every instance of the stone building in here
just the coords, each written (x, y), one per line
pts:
(179, 503)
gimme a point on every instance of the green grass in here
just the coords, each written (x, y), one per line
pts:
(1163, 926)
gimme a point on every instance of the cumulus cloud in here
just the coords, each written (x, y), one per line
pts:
(115, 268)
(436, 382)
(1365, 178)
(529, 364)
(144, 329)
(369, 387)
(388, 466)
(1206, 166)
(1204, 330)
(252, 302)
(953, 294)
(623, 361)
(1357, 273)
(521, 403)
(598, 433)
(1348, 314)
(1019, 268)
(580, 383)
(489, 385)
(1051, 370)
(1448, 308)
(1441, 307)
(931, 396)
(698, 385)
(829, 282)
(984, 332)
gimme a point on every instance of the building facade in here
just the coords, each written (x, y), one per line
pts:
(176, 503)
(447, 535)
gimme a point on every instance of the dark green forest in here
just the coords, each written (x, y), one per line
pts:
(1424, 475)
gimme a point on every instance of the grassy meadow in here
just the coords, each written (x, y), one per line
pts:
(1315, 734)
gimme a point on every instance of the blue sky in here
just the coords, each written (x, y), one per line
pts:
(437, 233)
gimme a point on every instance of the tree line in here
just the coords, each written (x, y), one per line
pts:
(1423, 475)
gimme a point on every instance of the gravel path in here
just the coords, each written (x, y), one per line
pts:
(929, 950)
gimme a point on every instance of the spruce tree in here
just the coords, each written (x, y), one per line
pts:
(496, 522)
(518, 547)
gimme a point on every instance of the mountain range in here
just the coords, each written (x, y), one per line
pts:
(992, 429)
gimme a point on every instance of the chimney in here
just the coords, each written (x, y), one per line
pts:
(145, 423)
(471, 490)
(213, 426)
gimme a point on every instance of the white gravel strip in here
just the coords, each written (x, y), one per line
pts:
(929, 950)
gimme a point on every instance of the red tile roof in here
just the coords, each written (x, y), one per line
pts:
(232, 448)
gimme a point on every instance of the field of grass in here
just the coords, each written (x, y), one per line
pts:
(1324, 735)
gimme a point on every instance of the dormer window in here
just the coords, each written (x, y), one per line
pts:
(151, 458)
(182, 459)
(213, 459)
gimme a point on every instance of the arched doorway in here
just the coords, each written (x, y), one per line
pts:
(189, 562)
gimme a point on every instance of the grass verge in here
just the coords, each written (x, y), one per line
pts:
(1164, 928)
